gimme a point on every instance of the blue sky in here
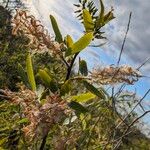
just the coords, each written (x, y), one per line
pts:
(137, 47)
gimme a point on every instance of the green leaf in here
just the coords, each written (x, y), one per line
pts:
(30, 72)
(88, 21)
(100, 19)
(65, 88)
(82, 43)
(57, 32)
(102, 8)
(94, 90)
(48, 80)
(77, 107)
(83, 97)
(83, 67)
(45, 77)
(23, 75)
(69, 41)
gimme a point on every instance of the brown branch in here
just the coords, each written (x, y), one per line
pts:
(70, 67)
(43, 142)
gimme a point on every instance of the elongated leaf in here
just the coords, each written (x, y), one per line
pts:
(94, 90)
(57, 32)
(30, 72)
(48, 80)
(66, 87)
(45, 77)
(82, 43)
(69, 41)
(102, 8)
(100, 19)
(83, 68)
(88, 21)
(77, 107)
(83, 97)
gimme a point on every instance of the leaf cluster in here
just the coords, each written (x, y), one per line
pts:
(93, 18)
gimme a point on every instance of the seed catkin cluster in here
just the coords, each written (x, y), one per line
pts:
(40, 39)
(41, 116)
(113, 75)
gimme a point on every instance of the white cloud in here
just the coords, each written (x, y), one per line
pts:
(137, 46)
(61, 10)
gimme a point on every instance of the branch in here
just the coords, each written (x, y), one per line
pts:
(70, 67)
(122, 48)
(134, 108)
(128, 126)
(43, 142)
(126, 131)
(143, 64)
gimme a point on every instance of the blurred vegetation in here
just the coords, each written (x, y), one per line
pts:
(45, 104)
(13, 51)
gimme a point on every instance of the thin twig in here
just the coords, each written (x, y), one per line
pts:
(125, 132)
(134, 108)
(120, 90)
(122, 48)
(143, 64)
(43, 142)
(70, 67)
(129, 126)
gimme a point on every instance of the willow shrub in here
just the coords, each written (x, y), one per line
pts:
(58, 108)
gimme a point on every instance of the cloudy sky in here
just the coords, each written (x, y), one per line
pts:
(137, 47)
